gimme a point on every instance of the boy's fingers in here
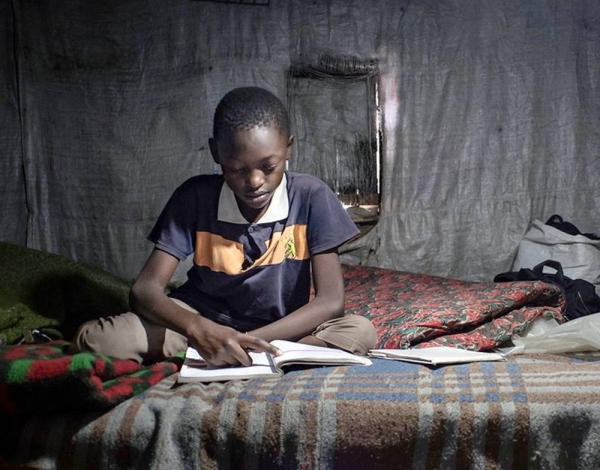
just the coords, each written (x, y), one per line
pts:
(201, 363)
(253, 343)
(243, 357)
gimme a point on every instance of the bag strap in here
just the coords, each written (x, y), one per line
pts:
(539, 269)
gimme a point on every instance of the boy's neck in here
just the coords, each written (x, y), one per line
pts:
(234, 211)
(252, 215)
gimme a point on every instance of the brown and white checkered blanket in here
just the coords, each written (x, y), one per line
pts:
(531, 411)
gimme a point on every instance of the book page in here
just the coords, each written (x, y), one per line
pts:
(437, 355)
(297, 353)
(194, 370)
(264, 364)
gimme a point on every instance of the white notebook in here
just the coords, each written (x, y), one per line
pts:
(266, 365)
(439, 355)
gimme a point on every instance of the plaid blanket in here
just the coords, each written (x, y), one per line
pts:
(43, 377)
(532, 411)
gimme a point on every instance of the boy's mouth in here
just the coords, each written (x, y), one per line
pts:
(256, 195)
(257, 198)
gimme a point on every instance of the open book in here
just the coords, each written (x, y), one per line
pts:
(439, 355)
(265, 364)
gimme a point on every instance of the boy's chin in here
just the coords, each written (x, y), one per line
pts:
(257, 203)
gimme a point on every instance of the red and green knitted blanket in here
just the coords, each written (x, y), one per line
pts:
(37, 378)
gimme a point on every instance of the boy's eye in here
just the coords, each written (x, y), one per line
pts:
(235, 170)
(241, 171)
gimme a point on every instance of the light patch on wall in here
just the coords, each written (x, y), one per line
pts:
(391, 106)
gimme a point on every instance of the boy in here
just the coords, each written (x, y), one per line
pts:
(255, 232)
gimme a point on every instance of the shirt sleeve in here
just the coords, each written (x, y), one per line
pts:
(329, 225)
(175, 228)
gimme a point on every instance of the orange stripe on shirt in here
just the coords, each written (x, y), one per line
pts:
(218, 253)
(227, 256)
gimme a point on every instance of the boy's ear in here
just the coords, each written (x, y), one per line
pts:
(212, 143)
(289, 147)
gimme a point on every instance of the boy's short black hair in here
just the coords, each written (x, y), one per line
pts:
(248, 107)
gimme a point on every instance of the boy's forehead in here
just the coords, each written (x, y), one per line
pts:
(236, 136)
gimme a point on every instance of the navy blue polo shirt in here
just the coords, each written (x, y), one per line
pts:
(246, 275)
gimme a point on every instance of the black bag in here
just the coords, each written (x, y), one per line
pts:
(580, 295)
(559, 223)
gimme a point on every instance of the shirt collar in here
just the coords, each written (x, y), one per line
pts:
(278, 208)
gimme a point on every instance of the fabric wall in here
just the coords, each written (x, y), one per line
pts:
(496, 121)
(13, 205)
(490, 109)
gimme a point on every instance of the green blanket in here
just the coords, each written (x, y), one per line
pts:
(42, 378)
(39, 289)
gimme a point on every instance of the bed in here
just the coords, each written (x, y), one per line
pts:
(534, 411)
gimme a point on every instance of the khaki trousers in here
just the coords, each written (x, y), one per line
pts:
(129, 336)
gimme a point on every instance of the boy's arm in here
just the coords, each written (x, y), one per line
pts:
(327, 304)
(219, 345)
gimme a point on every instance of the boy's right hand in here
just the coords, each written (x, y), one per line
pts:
(223, 346)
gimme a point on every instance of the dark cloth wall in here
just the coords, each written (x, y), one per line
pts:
(13, 203)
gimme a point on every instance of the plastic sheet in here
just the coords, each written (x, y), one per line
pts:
(547, 336)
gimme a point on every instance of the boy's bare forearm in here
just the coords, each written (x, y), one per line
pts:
(219, 345)
(153, 304)
(303, 321)
(148, 299)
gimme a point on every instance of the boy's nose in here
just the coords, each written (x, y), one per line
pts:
(255, 179)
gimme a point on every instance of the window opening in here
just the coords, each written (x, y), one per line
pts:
(336, 119)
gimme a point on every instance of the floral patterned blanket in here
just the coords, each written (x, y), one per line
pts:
(419, 310)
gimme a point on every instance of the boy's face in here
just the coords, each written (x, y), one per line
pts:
(253, 163)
